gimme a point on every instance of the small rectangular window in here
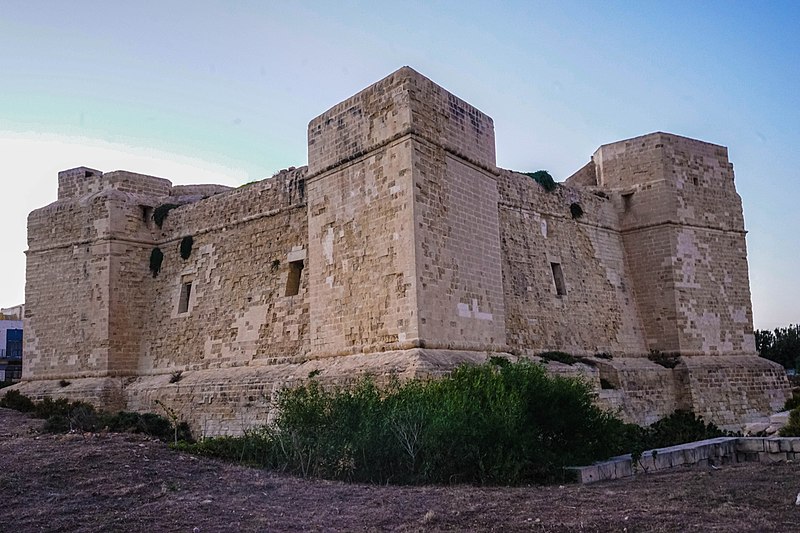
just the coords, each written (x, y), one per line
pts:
(293, 281)
(558, 279)
(626, 200)
(186, 293)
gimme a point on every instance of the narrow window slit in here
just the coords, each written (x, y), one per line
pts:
(186, 293)
(293, 281)
(558, 279)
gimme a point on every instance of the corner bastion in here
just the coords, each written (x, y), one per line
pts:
(401, 249)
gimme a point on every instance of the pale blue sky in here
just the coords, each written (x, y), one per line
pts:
(223, 91)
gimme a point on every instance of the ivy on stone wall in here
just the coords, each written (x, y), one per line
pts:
(156, 258)
(186, 247)
(667, 360)
(161, 212)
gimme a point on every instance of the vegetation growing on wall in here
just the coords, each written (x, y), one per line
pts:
(781, 345)
(186, 247)
(561, 357)
(543, 178)
(156, 258)
(160, 213)
(666, 360)
(567, 359)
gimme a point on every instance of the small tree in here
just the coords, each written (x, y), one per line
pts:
(781, 345)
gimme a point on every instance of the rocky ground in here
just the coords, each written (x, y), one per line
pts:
(120, 482)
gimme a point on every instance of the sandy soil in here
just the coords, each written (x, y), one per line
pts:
(120, 482)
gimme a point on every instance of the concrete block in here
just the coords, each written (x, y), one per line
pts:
(584, 474)
(677, 457)
(772, 445)
(748, 457)
(623, 469)
(646, 462)
(768, 458)
(663, 461)
(750, 444)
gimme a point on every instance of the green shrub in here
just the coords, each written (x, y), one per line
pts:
(543, 178)
(50, 407)
(495, 423)
(61, 415)
(57, 424)
(17, 401)
(792, 402)
(792, 428)
(678, 428)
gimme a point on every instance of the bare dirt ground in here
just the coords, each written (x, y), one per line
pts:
(120, 482)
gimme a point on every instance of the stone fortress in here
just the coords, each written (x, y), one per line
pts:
(400, 249)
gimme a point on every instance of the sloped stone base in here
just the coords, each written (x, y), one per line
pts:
(232, 400)
(729, 391)
(106, 393)
(732, 391)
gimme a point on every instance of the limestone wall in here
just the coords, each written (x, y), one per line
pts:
(67, 291)
(238, 310)
(683, 233)
(458, 266)
(598, 311)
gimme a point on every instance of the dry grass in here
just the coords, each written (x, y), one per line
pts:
(119, 482)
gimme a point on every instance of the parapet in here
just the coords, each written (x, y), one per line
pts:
(198, 190)
(82, 181)
(79, 181)
(647, 158)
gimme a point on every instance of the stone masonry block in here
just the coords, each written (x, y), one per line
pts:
(750, 445)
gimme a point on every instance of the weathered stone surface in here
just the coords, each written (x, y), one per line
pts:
(403, 249)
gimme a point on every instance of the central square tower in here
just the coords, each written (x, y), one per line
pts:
(404, 236)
